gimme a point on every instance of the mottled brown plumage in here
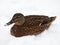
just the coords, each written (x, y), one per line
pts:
(29, 25)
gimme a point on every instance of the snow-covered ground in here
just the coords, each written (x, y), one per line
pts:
(45, 7)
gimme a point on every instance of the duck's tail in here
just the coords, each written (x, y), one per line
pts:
(53, 18)
(48, 22)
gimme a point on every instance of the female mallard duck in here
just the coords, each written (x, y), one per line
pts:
(29, 25)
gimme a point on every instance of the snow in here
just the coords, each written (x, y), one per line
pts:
(43, 7)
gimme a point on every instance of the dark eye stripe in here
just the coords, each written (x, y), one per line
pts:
(15, 18)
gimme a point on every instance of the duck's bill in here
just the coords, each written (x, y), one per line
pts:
(9, 23)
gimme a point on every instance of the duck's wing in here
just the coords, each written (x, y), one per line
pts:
(34, 20)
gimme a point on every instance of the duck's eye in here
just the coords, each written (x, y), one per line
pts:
(18, 16)
(14, 17)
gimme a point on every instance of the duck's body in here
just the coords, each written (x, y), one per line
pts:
(32, 25)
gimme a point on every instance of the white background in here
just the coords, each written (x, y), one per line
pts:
(41, 7)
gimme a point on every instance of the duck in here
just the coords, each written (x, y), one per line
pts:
(29, 25)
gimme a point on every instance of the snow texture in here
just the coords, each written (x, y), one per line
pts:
(43, 7)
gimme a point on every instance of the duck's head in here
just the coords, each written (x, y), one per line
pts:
(18, 19)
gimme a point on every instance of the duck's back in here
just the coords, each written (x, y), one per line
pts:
(34, 20)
